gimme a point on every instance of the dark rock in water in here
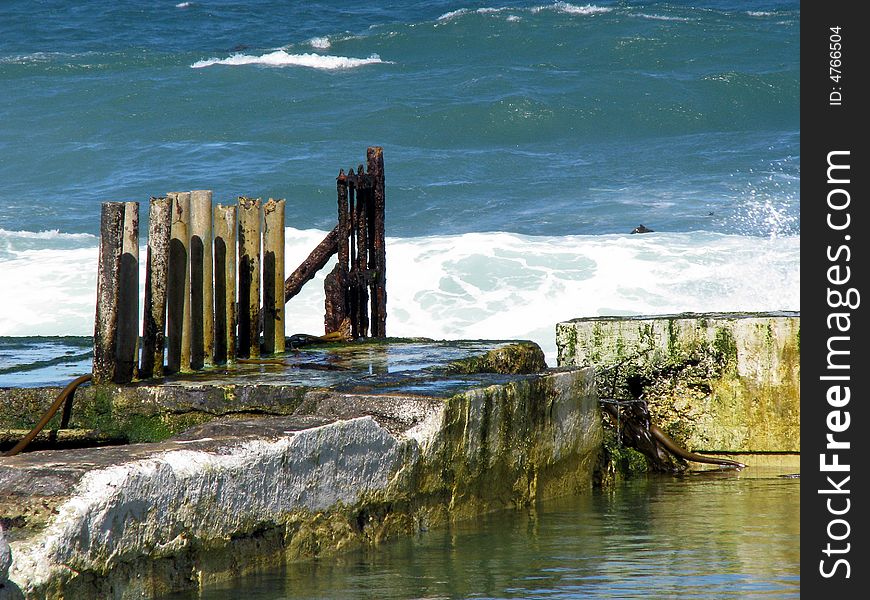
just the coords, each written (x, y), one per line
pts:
(239, 48)
(641, 229)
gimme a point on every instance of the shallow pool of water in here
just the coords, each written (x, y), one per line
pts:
(714, 534)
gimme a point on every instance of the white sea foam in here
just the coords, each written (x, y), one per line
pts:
(559, 7)
(184, 5)
(281, 58)
(660, 17)
(321, 43)
(49, 234)
(759, 13)
(478, 285)
(453, 14)
(449, 16)
(572, 9)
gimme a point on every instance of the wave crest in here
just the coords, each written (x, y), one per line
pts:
(47, 234)
(281, 58)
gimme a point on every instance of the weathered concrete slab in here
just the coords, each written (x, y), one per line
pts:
(154, 409)
(341, 469)
(719, 382)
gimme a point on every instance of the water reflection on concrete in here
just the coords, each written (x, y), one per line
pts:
(701, 535)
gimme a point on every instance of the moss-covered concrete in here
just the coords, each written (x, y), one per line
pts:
(153, 410)
(519, 357)
(340, 469)
(723, 382)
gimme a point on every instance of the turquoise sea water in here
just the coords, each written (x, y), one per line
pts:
(522, 140)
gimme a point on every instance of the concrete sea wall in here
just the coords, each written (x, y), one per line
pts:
(719, 382)
(346, 468)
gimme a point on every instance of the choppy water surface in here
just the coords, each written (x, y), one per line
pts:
(523, 140)
(708, 535)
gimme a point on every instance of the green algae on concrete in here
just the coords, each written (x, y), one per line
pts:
(155, 409)
(341, 468)
(518, 357)
(715, 382)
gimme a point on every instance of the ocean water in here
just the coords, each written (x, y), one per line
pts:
(523, 141)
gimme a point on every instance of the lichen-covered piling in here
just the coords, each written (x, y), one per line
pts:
(178, 314)
(273, 276)
(156, 269)
(225, 224)
(128, 297)
(249, 278)
(201, 280)
(108, 279)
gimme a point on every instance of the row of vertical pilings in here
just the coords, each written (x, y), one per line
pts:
(189, 318)
(214, 278)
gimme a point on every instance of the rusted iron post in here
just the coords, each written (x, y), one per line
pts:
(156, 269)
(273, 276)
(309, 267)
(249, 278)
(128, 297)
(375, 157)
(201, 280)
(335, 302)
(225, 226)
(351, 275)
(363, 199)
(335, 285)
(109, 267)
(178, 315)
(343, 222)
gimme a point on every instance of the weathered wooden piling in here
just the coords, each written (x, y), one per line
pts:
(156, 269)
(375, 158)
(108, 274)
(249, 278)
(225, 225)
(273, 276)
(178, 313)
(128, 297)
(201, 280)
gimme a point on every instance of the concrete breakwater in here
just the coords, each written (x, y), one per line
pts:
(250, 466)
(716, 383)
